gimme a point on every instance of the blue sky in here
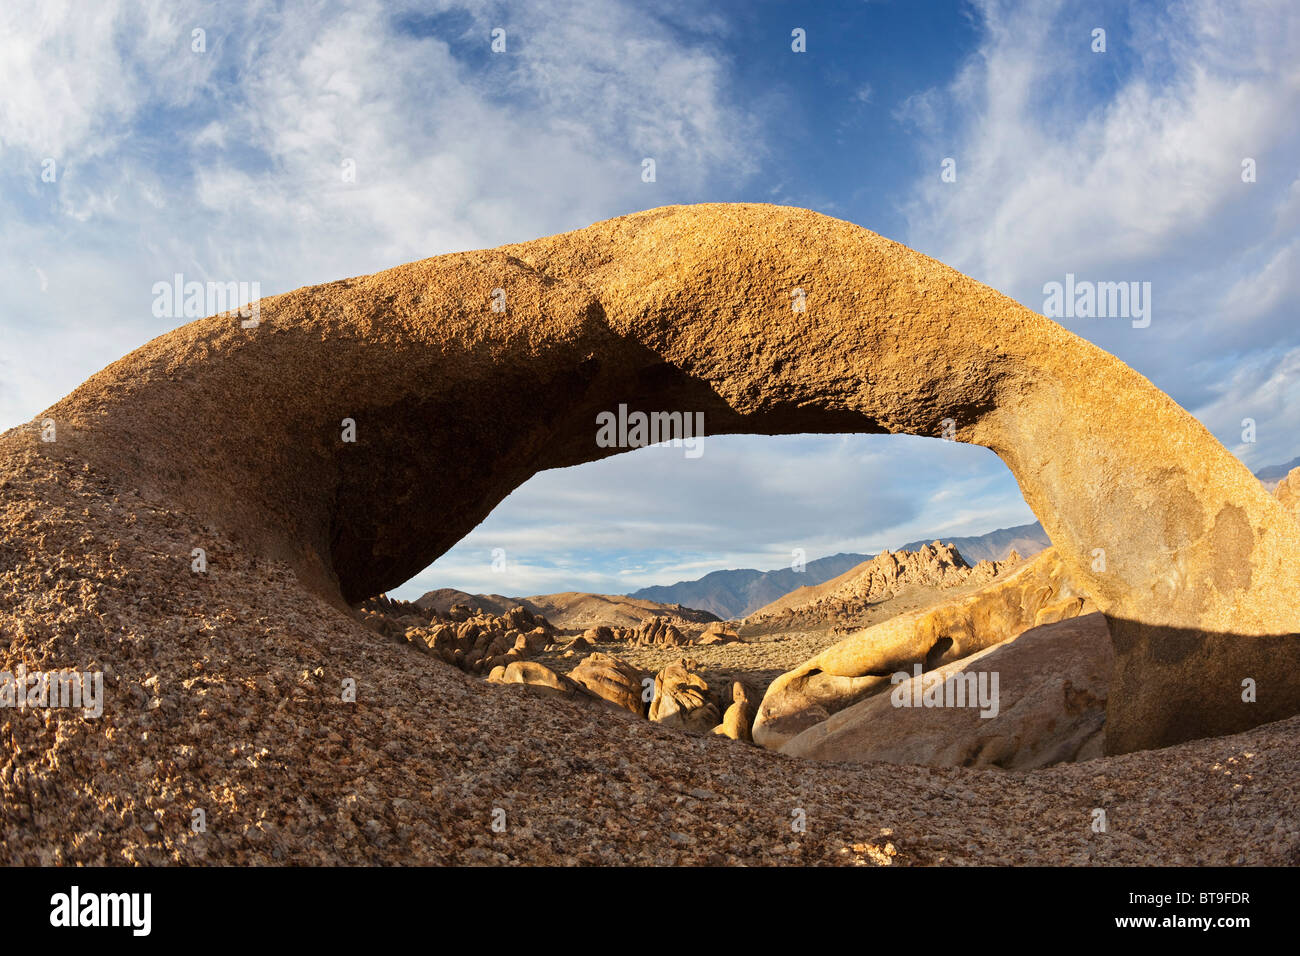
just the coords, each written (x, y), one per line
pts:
(224, 164)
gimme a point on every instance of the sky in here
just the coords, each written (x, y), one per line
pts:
(295, 143)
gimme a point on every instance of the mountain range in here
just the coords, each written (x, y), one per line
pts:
(1273, 474)
(735, 594)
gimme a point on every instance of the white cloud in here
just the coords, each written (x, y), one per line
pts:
(227, 164)
(1127, 166)
(1265, 389)
(1044, 182)
(654, 517)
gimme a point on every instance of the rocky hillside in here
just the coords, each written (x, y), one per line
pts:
(735, 594)
(571, 610)
(843, 601)
(1026, 540)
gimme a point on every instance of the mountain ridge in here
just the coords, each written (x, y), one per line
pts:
(736, 593)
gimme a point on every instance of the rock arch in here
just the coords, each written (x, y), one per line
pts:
(690, 308)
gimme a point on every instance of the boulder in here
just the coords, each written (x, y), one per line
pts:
(681, 699)
(608, 678)
(719, 632)
(739, 704)
(658, 630)
(860, 665)
(538, 678)
(1044, 692)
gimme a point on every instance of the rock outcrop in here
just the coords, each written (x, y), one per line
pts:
(739, 704)
(840, 601)
(1044, 694)
(1288, 493)
(474, 641)
(537, 678)
(601, 634)
(362, 427)
(570, 610)
(656, 631)
(615, 681)
(682, 700)
(1040, 592)
(718, 633)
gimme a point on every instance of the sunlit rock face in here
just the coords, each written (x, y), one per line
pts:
(463, 375)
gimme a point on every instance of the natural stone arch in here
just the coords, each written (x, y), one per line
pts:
(690, 308)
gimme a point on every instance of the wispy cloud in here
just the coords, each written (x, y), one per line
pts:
(1128, 165)
(223, 155)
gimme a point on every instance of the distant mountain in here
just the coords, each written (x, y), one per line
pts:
(995, 545)
(1273, 474)
(855, 598)
(735, 594)
(571, 610)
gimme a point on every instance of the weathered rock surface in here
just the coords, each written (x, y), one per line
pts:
(841, 600)
(1040, 591)
(537, 677)
(681, 699)
(1047, 704)
(689, 308)
(739, 704)
(601, 634)
(613, 680)
(657, 630)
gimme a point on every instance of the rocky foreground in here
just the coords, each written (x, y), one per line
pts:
(224, 693)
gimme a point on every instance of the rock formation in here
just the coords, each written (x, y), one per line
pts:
(682, 700)
(613, 680)
(656, 630)
(599, 635)
(474, 641)
(738, 705)
(1040, 592)
(1048, 705)
(1288, 493)
(537, 678)
(720, 632)
(841, 600)
(764, 319)
(571, 610)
